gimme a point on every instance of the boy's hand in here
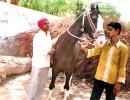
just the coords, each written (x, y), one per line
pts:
(117, 88)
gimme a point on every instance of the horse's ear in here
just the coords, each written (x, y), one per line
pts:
(97, 7)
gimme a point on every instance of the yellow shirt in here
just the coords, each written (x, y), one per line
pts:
(112, 62)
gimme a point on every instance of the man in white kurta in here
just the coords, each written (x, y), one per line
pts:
(42, 46)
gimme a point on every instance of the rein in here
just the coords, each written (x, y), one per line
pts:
(74, 36)
(82, 39)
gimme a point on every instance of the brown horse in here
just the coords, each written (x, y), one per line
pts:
(65, 50)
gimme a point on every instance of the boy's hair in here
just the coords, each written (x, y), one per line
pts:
(116, 26)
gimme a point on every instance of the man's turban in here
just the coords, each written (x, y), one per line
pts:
(41, 22)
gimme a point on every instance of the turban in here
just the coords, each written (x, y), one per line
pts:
(41, 22)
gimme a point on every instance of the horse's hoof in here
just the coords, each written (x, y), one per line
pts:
(66, 95)
(50, 94)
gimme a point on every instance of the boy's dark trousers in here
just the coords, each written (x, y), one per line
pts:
(98, 88)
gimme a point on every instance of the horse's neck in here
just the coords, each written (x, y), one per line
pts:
(75, 30)
(72, 39)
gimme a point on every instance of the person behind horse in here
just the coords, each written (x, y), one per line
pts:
(111, 70)
(42, 50)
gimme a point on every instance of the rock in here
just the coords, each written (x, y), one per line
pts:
(10, 65)
(19, 45)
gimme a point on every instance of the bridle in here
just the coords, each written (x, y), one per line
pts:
(93, 27)
(89, 20)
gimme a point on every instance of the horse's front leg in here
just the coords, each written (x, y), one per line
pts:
(67, 85)
(55, 72)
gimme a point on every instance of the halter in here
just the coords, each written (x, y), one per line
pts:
(82, 29)
(89, 20)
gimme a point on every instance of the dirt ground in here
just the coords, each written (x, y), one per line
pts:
(16, 87)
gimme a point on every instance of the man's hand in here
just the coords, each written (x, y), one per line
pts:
(117, 88)
(51, 52)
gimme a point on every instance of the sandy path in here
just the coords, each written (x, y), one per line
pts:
(16, 89)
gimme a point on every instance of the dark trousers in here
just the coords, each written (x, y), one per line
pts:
(98, 88)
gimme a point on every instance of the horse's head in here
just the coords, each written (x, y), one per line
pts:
(90, 21)
(93, 26)
(86, 22)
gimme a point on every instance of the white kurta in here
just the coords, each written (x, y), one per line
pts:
(42, 44)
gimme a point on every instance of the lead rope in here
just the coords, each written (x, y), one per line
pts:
(82, 39)
(74, 35)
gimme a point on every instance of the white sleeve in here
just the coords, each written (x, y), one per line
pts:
(100, 23)
(54, 41)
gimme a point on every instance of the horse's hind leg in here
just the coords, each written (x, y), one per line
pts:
(55, 72)
(67, 85)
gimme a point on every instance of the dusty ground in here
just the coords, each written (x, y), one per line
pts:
(16, 89)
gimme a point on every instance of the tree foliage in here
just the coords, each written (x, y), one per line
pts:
(55, 7)
(63, 7)
(109, 10)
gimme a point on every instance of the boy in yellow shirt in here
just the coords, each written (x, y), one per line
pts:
(111, 69)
